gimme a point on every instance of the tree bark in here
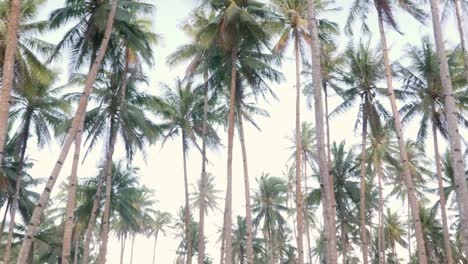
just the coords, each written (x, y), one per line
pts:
(19, 177)
(8, 71)
(324, 172)
(443, 202)
(201, 226)
(452, 125)
(362, 205)
(154, 247)
(77, 248)
(71, 201)
(381, 234)
(462, 36)
(79, 116)
(228, 209)
(188, 235)
(131, 251)
(248, 207)
(299, 205)
(401, 143)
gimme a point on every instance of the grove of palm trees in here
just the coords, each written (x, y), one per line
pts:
(234, 131)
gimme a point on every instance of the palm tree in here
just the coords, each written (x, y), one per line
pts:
(422, 82)
(209, 196)
(8, 66)
(180, 111)
(324, 170)
(452, 122)
(76, 124)
(365, 73)
(269, 207)
(394, 234)
(161, 220)
(385, 14)
(39, 108)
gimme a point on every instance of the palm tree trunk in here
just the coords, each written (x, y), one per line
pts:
(19, 177)
(131, 250)
(452, 125)
(201, 226)
(327, 121)
(443, 202)
(409, 228)
(299, 205)
(362, 211)
(122, 249)
(154, 247)
(71, 201)
(401, 142)
(248, 207)
(77, 248)
(462, 36)
(324, 172)
(344, 236)
(223, 237)
(228, 209)
(381, 234)
(188, 235)
(107, 197)
(8, 71)
(77, 120)
(306, 212)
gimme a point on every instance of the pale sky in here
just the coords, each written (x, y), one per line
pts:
(267, 150)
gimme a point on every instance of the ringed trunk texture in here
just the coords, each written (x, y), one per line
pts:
(452, 125)
(228, 209)
(248, 207)
(8, 71)
(19, 173)
(443, 202)
(299, 205)
(412, 200)
(77, 120)
(325, 176)
(458, 14)
(188, 235)
(201, 226)
(108, 193)
(362, 211)
(71, 201)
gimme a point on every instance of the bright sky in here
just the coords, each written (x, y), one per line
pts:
(267, 150)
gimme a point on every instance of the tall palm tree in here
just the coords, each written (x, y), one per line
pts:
(269, 207)
(182, 115)
(77, 121)
(452, 122)
(422, 82)
(39, 108)
(324, 170)
(385, 15)
(8, 70)
(363, 78)
(161, 220)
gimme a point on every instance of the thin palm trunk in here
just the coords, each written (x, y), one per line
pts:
(201, 226)
(381, 234)
(306, 212)
(223, 237)
(344, 237)
(8, 70)
(19, 177)
(131, 250)
(188, 235)
(443, 202)
(77, 248)
(327, 123)
(324, 172)
(107, 196)
(77, 120)
(122, 249)
(452, 125)
(362, 202)
(248, 207)
(154, 247)
(408, 213)
(71, 201)
(413, 201)
(228, 217)
(2, 226)
(299, 205)
(462, 36)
